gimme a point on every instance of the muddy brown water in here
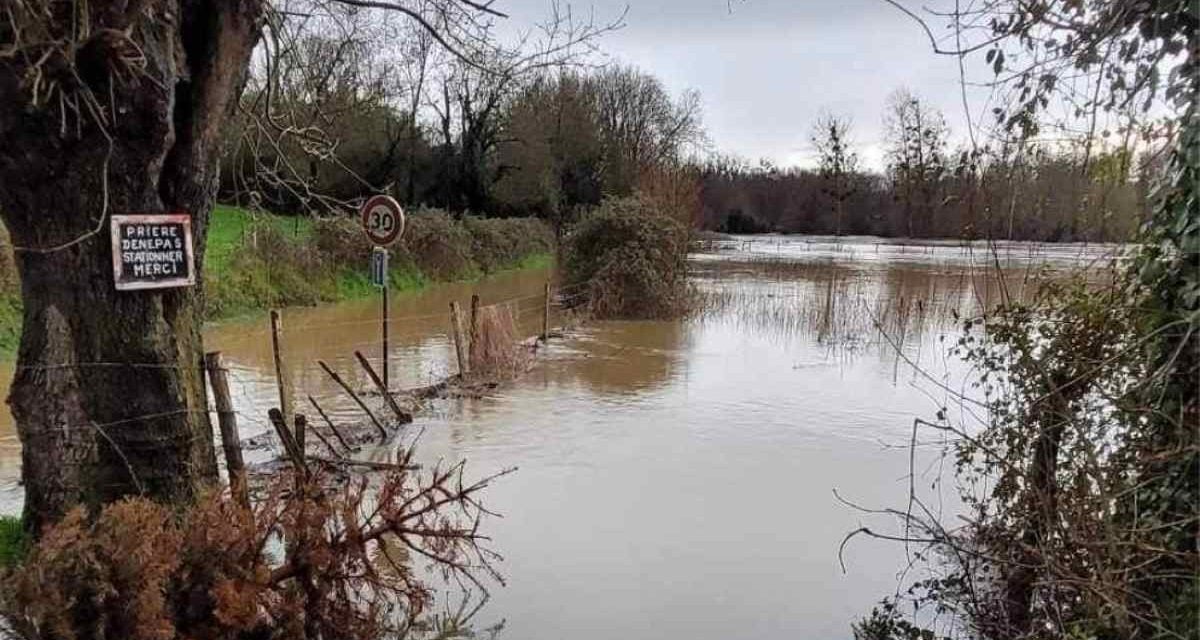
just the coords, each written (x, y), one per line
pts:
(676, 479)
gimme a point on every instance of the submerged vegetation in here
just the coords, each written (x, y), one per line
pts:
(496, 349)
(1079, 480)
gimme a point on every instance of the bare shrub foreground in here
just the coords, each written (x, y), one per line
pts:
(1076, 459)
(306, 561)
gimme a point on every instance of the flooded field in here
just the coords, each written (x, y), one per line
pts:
(676, 479)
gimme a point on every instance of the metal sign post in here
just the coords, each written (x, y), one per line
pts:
(383, 222)
(379, 278)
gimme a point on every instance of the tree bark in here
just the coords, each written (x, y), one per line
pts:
(109, 394)
(1050, 418)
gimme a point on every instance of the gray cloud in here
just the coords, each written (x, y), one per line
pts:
(766, 68)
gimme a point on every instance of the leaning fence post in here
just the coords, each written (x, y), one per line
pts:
(401, 415)
(288, 440)
(546, 315)
(332, 427)
(281, 373)
(456, 328)
(362, 405)
(227, 420)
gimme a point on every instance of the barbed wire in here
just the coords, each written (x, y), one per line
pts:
(310, 327)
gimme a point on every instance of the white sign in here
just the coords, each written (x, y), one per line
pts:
(152, 251)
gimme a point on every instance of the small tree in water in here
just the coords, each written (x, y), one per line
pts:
(629, 260)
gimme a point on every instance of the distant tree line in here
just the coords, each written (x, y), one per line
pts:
(1022, 191)
(527, 137)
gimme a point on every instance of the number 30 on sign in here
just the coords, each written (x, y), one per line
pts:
(382, 219)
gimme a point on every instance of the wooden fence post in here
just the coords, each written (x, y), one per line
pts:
(332, 427)
(473, 334)
(456, 328)
(288, 440)
(282, 376)
(546, 315)
(227, 420)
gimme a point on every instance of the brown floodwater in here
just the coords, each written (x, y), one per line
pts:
(676, 479)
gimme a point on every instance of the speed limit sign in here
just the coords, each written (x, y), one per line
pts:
(382, 219)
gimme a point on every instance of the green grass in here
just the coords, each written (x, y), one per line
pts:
(353, 284)
(12, 541)
(535, 261)
(10, 323)
(227, 226)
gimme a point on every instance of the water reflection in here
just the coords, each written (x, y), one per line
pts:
(627, 357)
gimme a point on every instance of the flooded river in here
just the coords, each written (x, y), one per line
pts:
(676, 479)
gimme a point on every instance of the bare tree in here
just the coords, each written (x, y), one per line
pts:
(916, 134)
(641, 125)
(838, 163)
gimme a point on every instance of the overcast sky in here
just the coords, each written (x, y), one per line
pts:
(766, 68)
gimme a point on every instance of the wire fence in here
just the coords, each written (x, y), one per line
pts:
(252, 386)
(557, 299)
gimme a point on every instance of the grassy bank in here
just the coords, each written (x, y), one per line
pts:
(256, 261)
(259, 261)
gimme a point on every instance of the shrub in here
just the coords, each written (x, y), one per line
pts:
(498, 243)
(341, 241)
(630, 261)
(440, 246)
(269, 269)
(13, 540)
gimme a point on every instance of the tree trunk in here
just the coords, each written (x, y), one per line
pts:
(1050, 417)
(109, 394)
